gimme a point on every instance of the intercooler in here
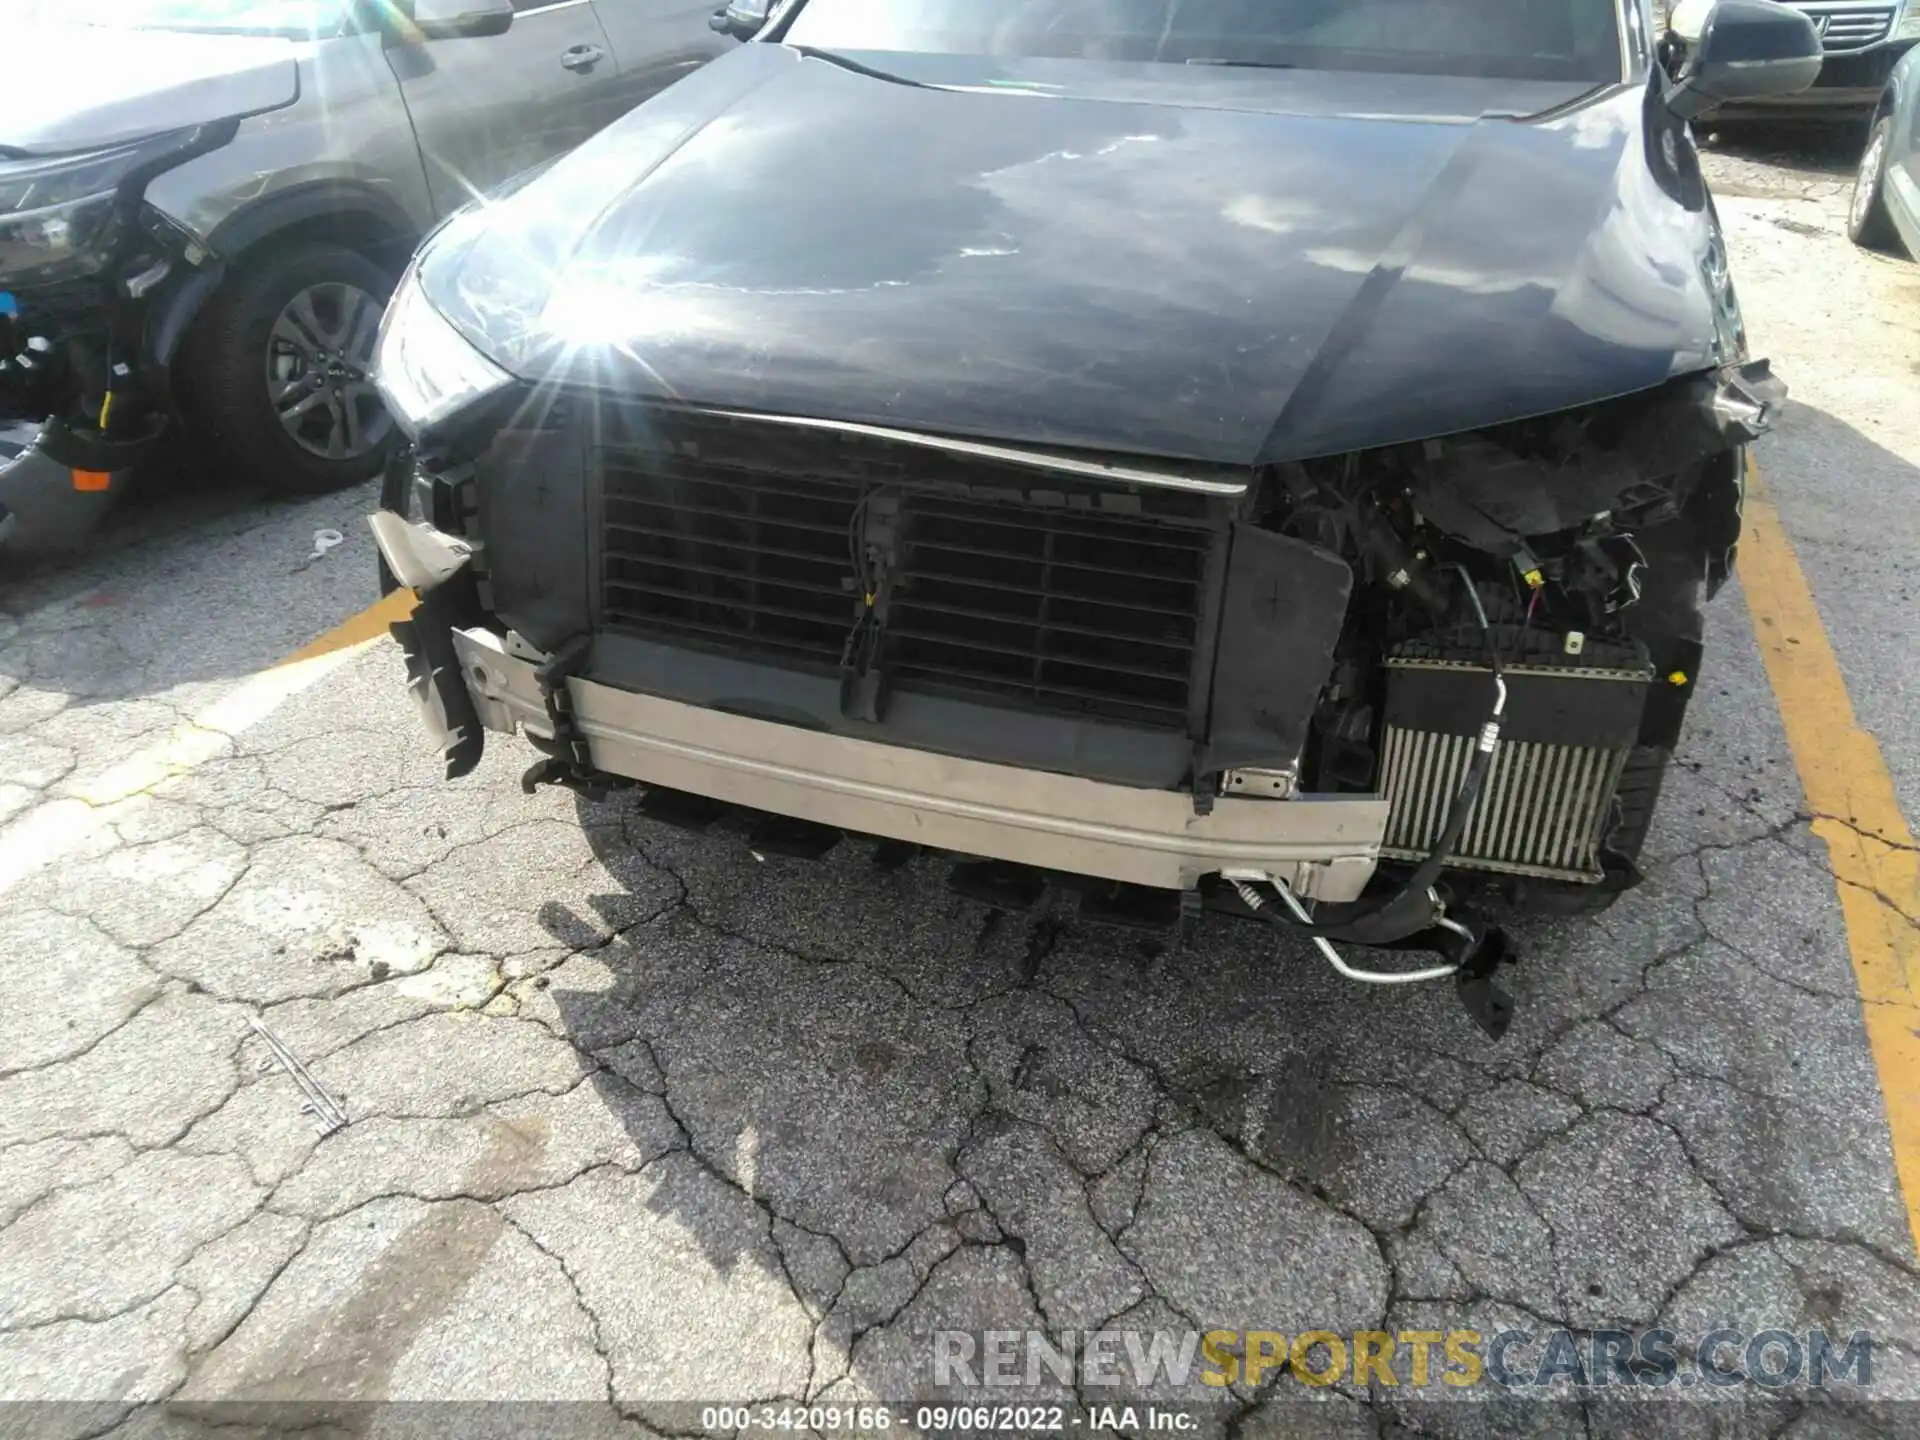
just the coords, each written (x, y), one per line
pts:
(1548, 801)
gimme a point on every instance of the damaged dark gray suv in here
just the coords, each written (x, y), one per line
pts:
(1260, 453)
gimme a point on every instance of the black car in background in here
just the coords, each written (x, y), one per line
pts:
(1267, 453)
(1861, 42)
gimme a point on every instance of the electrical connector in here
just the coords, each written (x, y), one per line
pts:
(1528, 569)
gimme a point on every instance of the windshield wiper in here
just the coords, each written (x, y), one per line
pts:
(1242, 64)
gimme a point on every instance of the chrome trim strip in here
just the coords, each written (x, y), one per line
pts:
(982, 450)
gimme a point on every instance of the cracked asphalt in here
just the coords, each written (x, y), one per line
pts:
(640, 1120)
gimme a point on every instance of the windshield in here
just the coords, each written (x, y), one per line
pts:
(299, 19)
(1507, 39)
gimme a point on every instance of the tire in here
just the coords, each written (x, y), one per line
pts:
(1868, 224)
(291, 332)
(1638, 796)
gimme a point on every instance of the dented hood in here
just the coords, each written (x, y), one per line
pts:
(1227, 266)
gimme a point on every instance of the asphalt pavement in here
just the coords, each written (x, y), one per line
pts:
(639, 1119)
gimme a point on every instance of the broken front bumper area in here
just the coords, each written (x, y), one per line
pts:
(1135, 856)
(71, 433)
(469, 677)
(1320, 848)
(1324, 848)
(55, 486)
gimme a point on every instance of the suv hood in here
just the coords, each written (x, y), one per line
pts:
(1227, 266)
(82, 87)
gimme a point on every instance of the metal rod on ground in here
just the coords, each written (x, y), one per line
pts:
(325, 1110)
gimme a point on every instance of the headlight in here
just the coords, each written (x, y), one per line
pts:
(424, 368)
(55, 211)
(1907, 27)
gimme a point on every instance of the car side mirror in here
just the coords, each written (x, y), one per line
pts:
(742, 19)
(1745, 50)
(461, 19)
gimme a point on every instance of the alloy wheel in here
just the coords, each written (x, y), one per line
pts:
(319, 363)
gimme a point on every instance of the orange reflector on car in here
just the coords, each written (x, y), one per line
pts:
(92, 480)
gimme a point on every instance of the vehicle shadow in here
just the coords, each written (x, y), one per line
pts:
(190, 578)
(917, 1113)
(174, 490)
(1780, 159)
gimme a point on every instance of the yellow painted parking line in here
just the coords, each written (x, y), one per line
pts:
(369, 624)
(68, 825)
(1876, 865)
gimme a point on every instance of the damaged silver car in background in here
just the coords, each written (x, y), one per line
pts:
(1269, 457)
(204, 204)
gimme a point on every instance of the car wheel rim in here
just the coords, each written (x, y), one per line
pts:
(319, 372)
(1868, 180)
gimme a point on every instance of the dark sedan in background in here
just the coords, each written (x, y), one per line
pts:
(1861, 41)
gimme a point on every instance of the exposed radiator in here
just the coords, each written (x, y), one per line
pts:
(1540, 813)
(1547, 803)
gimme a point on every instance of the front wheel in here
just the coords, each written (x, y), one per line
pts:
(1868, 224)
(277, 375)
